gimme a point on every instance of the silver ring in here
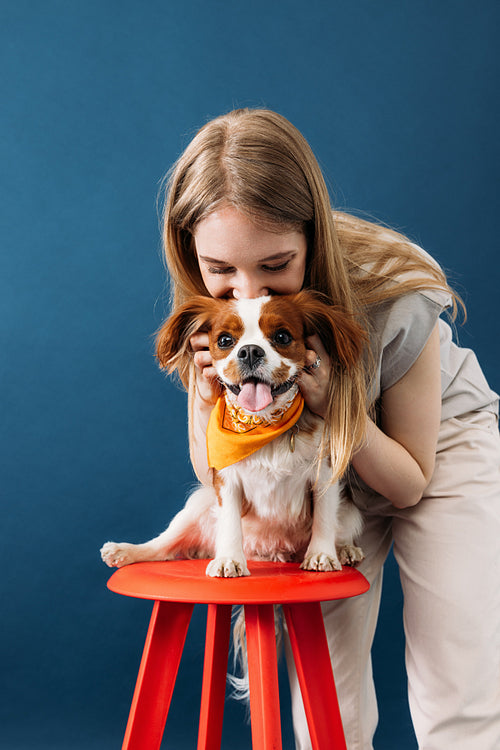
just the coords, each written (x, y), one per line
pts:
(316, 363)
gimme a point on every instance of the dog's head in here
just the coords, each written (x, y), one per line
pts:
(258, 345)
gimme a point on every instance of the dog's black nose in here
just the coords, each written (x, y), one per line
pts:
(251, 354)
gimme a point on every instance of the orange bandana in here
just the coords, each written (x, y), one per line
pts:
(232, 434)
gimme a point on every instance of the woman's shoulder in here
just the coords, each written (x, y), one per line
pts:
(399, 328)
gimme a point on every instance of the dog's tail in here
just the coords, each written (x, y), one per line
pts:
(239, 682)
(240, 688)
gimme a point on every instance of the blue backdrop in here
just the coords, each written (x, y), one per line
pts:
(98, 98)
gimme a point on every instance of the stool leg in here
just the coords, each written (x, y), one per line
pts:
(214, 676)
(157, 673)
(263, 677)
(314, 671)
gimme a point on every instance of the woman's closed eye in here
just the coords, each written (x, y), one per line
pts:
(220, 269)
(230, 269)
(275, 269)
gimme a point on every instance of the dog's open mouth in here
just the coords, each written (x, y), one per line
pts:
(254, 395)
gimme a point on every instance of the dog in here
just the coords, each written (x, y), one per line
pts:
(272, 496)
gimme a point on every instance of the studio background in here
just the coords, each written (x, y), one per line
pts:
(98, 98)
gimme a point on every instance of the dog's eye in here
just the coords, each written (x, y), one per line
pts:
(225, 341)
(282, 337)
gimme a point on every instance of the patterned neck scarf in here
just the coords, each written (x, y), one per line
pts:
(232, 434)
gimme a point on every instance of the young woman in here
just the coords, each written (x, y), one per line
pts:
(246, 214)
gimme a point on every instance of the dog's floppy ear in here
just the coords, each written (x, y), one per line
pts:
(339, 332)
(172, 339)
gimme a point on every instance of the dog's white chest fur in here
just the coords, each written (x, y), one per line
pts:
(277, 479)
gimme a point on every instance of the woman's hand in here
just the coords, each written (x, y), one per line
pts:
(206, 375)
(314, 380)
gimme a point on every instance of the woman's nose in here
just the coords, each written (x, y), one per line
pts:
(248, 287)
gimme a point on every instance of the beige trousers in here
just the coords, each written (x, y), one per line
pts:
(447, 548)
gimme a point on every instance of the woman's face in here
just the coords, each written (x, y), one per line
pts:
(239, 259)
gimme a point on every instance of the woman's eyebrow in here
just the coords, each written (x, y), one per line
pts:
(207, 259)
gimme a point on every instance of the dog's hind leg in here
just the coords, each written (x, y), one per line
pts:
(350, 526)
(190, 534)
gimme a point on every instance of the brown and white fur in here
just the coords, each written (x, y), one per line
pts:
(278, 503)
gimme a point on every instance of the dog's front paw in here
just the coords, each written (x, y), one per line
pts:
(319, 561)
(351, 555)
(117, 555)
(225, 567)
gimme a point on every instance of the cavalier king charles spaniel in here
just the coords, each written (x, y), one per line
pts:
(272, 496)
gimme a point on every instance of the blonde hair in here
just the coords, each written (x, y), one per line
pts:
(258, 162)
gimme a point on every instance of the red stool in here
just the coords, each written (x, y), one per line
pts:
(176, 586)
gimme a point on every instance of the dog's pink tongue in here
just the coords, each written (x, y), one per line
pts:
(255, 396)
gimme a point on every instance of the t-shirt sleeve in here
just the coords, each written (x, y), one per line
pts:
(404, 326)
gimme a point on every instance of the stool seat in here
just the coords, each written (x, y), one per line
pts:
(176, 586)
(269, 583)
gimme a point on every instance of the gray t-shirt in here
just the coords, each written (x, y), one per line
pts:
(400, 329)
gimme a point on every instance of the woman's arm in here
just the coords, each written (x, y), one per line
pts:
(397, 459)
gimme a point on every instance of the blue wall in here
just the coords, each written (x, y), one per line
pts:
(398, 100)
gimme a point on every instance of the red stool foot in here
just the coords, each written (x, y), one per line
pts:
(214, 676)
(312, 662)
(263, 676)
(157, 673)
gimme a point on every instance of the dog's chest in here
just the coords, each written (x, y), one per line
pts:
(276, 479)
